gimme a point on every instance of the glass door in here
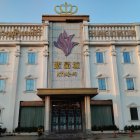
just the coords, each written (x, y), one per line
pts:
(66, 116)
(71, 123)
(62, 120)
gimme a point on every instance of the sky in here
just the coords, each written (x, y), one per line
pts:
(100, 11)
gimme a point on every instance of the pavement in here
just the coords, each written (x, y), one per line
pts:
(94, 137)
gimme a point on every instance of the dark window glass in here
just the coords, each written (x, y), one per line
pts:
(126, 57)
(99, 57)
(134, 113)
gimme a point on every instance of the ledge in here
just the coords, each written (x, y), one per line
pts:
(65, 18)
(67, 92)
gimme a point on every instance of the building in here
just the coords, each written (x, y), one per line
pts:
(67, 74)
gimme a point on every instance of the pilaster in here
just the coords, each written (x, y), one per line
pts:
(117, 102)
(87, 67)
(86, 55)
(47, 114)
(45, 66)
(87, 113)
(13, 98)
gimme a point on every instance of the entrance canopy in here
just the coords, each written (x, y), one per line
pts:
(75, 92)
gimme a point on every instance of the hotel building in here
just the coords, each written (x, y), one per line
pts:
(67, 74)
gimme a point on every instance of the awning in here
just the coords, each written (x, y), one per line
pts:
(67, 92)
(31, 103)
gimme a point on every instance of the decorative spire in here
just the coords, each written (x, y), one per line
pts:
(66, 9)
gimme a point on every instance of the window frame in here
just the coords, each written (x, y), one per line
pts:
(103, 54)
(35, 59)
(4, 88)
(7, 58)
(127, 83)
(105, 78)
(132, 116)
(126, 60)
(34, 84)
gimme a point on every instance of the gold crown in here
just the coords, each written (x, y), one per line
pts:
(66, 9)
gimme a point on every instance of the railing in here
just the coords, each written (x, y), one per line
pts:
(111, 32)
(10, 32)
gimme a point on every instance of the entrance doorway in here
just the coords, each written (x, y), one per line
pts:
(66, 116)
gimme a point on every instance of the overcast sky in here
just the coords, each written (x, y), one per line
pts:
(100, 11)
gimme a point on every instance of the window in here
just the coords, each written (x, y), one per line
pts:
(3, 57)
(2, 85)
(31, 57)
(30, 84)
(134, 113)
(102, 83)
(99, 57)
(130, 83)
(126, 57)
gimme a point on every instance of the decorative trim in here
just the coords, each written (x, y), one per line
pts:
(113, 52)
(45, 53)
(86, 52)
(132, 105)
(67, 91)
(30, 77)
(3, 77)
(129, 76)
(101, 76)
(17, 53)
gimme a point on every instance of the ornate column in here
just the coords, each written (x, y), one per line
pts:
(45, 54)
(87, 113)
(45, 66)
(45, 78)
(47, 114)
(87, 81)
(14, 95)
(117, 102)
(86, 67)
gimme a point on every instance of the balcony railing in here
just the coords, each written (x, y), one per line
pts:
(21, 32)
(111, 32)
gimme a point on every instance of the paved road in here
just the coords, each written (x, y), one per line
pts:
(95, 137)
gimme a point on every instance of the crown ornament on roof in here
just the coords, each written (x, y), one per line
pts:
(66, 9)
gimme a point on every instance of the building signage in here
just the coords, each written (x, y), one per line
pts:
(17, 33)
(66, 69)
(112, 33)
(64, 42)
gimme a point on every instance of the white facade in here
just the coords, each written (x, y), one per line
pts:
(110, 39)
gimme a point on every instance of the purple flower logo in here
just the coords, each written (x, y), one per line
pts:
(65, 43)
